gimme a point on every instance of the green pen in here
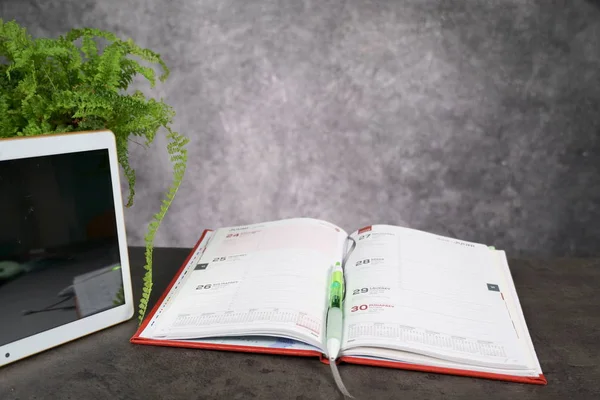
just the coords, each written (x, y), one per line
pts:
(334, 315)
(335, 319)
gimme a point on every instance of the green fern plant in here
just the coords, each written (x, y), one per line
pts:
(67, 84)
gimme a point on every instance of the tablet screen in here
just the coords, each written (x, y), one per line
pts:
(59, 250)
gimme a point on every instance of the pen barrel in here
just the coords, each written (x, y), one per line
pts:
(334, 323)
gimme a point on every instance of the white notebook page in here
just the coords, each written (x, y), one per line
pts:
(415, 291)
(260, 279)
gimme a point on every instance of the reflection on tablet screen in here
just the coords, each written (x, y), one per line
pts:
(59, 252)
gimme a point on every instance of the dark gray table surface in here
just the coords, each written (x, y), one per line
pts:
(559, 298)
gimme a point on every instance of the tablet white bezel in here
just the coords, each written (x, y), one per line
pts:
(24, 147)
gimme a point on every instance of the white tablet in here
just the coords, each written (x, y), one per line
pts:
(64, 266)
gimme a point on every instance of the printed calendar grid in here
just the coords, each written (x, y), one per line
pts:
(409, 334)
(249, 316)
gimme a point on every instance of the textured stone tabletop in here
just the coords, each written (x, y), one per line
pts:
(559, 298)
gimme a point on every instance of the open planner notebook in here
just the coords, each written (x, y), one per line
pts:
(413, 300)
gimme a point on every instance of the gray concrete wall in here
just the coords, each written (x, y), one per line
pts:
(476, 119)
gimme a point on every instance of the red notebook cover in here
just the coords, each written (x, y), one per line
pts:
(137, 339)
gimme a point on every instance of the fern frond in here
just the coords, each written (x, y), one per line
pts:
(89, 47)
(129, 68)
(123, 157)
(77, 33)
(109, 66)
(13, 39)
(149, 56)
(178, 155)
